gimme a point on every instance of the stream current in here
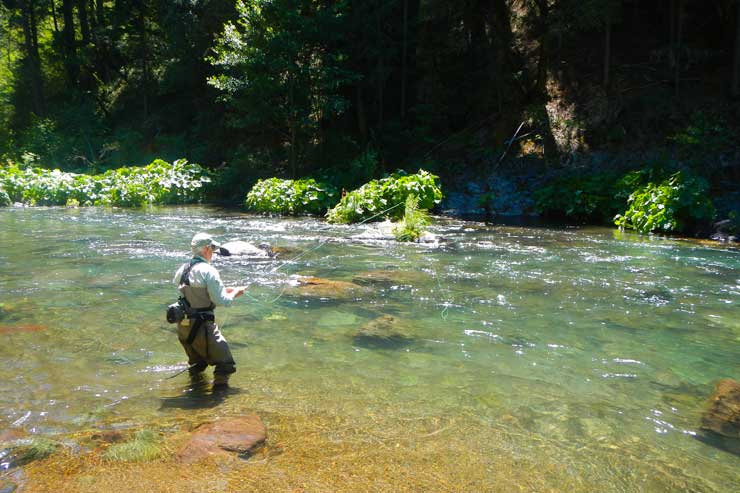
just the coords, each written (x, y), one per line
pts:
(586, 354)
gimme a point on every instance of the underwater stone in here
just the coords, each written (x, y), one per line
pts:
(15, 329)
(723, 414)
(12, 434)
(7, 487)
(390, 277)
(240, 434)
(384, 331)
(314, 287)
(107, 436)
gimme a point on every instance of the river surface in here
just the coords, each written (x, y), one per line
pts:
(574, 357)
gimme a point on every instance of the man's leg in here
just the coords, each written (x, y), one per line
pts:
(219, 355)
(196, 359)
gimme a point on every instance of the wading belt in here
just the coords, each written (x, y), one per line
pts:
(197, 319)
(196, 315)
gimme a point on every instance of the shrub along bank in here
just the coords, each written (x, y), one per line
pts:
(652, 199)
(385, 198)
(278, 196)
(648, 200)
(157, 183)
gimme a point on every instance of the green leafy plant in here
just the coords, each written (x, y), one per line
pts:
(678, 203)
(4, 198)
(383, 198)
(581, 196)
(36, 448)
(144, 446)
(157, 183)
(411, 226)
(705, 134)
(278, 196)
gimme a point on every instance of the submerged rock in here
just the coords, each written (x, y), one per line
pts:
(7, 486)
(107, 436)
(315, 287)
(384, 331)
(723, 414)
(283, 252)
(390, 277)
(12, 434)
(16, 329)
(242, 435)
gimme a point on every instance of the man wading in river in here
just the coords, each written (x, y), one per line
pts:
(200, 284)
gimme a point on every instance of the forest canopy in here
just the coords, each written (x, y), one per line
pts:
(353, 90)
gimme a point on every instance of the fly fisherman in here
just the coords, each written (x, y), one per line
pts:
(200, 284)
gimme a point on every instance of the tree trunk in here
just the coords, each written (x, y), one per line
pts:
(677, 47)
(33, 61)
(99, 12)
(379, 67)
(54, 15)
(607, 51)
(735, 87)
(361, 119)
(542, 61)
(84, 26)
(93, 21)
(68, 41)
(404, 55)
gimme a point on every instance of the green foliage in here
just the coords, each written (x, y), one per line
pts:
(4, 198)
(678, 204)
(705, 134)
(581, 196)
(34, 449)
(281, 61)
(361, 169)
(145, 446)
(157, 183)
(376, 196)
(290, 196)
(411, 226)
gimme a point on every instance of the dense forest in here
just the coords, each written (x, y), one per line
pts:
(561, 99)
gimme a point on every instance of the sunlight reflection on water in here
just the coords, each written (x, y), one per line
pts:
(568, 338)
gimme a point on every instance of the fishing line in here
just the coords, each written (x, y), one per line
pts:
(292, 260)
(311, 250)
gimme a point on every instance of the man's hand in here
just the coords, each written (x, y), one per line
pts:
(237, 291)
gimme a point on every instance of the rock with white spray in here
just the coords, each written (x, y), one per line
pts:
(246, 249)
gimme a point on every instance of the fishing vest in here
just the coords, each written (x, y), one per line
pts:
(197, 297)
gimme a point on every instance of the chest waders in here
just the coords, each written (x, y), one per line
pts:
(196, 315)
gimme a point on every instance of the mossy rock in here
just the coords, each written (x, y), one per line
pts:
(391, 277)
(723, 411)
(385, 331)
(325, 289)
(31, 449)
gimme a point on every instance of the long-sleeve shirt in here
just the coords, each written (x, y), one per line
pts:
(204, 275)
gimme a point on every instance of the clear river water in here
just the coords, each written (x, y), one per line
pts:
(544, 359)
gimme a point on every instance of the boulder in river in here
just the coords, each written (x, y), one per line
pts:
(241, 435)
(315, 287)
(285, 252)
(246, 249)
(723, 414)
(385, 331)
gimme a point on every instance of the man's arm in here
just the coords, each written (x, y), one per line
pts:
(220, 295)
